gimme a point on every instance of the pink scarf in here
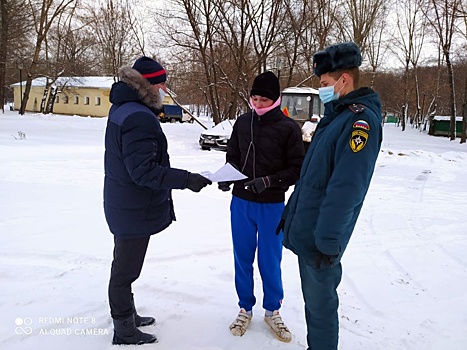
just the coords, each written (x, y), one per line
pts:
(261, 111)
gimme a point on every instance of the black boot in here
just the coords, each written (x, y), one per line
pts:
(125, 332)
(141, 321)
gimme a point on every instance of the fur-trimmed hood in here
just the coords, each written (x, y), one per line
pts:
(134, 80)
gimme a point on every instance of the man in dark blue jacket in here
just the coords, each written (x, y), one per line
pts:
(137, 186)
(322, 211)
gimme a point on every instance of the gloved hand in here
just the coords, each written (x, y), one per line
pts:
(328, 260)
(196, 182)
(280, 227)
(224, 185)
(259, 184)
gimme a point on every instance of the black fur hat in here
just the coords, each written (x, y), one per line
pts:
(335, 57)
(267, 85)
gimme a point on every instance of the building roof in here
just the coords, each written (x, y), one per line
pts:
(76, 82)
(88, 82)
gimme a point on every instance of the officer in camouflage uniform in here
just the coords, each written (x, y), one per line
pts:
(321, 213)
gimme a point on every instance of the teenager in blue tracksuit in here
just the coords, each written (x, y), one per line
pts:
(322, 211)
(267, 147)
(137, 187)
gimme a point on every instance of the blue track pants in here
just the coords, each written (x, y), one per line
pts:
(253, 228)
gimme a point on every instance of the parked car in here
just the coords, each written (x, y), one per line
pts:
(217, 137)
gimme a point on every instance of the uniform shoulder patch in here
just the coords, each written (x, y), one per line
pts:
(358, 140)
(361, 124)
(357, 108)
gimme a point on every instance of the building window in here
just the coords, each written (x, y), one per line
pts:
(65, 99)
(98, 101)
(76, 101)
(57, 99)
(86, 100)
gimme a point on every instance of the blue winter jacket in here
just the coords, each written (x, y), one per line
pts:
(322, 211)
(138, 176)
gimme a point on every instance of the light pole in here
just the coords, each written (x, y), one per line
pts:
(20, 67)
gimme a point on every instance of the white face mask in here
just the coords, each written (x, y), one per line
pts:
(162, 94)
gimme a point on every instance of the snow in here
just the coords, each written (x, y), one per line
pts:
(300, 90)
(224, 128)
(87, 82)
(405, 270)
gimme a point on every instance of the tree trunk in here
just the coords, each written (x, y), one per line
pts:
(418, 116)
(405, 106)
(49, 106)
(452, 101)
(32, 68)
(3, 49)
(403, 117)
(44, 97)
(464, 115)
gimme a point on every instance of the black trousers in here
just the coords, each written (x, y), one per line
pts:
(126, 267)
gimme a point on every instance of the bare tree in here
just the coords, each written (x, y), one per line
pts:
(464, 115)
(14, 22)
(224, 44)
(114, 25)
(411, 26)
(54, 65)
(76, 48)
(375, 49)
(44, 13)
(309, 27)
(296, 19)
(4, 19)
(234, 31)
(362, 15)
(463, 31)
(265, 16)
(443, 16)
(191, 25)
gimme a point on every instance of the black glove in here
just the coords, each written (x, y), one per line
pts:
(224, 185)
(280, 227)
(328, 260)
(259, 184)
(196, 182)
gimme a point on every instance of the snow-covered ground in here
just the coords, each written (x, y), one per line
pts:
(405, 270)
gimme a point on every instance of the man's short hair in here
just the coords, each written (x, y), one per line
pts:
(353, 72)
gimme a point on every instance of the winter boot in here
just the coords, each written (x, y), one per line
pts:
(125, 332)
(141, 321)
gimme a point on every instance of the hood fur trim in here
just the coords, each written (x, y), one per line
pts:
(149, 96)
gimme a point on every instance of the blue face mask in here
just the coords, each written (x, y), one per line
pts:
(326, 94)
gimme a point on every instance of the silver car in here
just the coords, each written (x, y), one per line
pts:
(217, 137)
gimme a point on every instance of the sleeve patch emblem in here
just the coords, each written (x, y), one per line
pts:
(358, 140)
(361, 124)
